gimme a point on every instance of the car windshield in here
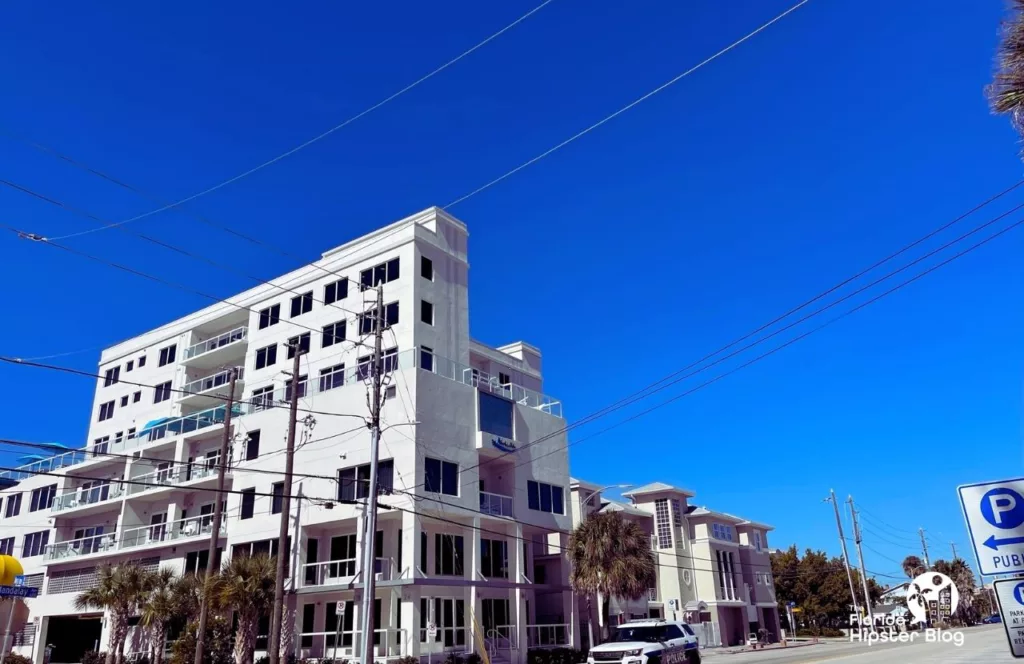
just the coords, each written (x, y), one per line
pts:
(646, 633)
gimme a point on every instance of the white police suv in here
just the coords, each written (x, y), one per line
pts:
(648, 642)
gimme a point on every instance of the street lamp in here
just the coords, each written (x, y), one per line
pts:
(603, 489)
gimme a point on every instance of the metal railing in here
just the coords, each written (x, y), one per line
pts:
(219, 341)
(495, 504)
(547, 636)
(388, 644)
(48, 465)
(460, 373)
(173, 475)
(98, 493)
(193, 526)
(208, 383)
(185, 424)
(500, 637)
(82, 546)
(343, 572)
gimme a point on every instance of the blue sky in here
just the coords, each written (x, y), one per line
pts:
(836, 136)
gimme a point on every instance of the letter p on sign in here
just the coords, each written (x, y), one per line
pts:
(1003, 508)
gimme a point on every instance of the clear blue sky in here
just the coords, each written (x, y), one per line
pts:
(839, 134)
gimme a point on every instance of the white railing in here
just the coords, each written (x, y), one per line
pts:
(98, 493)
(389, 644)
(173, 475)
(82, 546)
(193, 526)
(547, 636)
(210, 382)
(473, 377)
(219, 341)
(501, 637)
(50, 464)
(495, 504)
(343, 572)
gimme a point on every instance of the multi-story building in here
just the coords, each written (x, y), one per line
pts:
(474, 518)
(713, 569)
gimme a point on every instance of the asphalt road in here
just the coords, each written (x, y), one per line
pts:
(981, 645)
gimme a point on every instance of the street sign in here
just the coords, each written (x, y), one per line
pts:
(994, 512)
(431, 631)
(19, 580)
(18, 591)
(1010, 593)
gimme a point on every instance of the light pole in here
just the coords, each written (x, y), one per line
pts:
(603, 489)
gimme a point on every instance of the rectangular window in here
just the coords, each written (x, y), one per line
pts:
(543, 497)
(7, 546)
(248, 503)
(13, 505)
(332, 377)
(495, 415)
(137, 397)
(426, 312)
(494, 558)
(448, 554)
(336, 291)
(303, 383)
(388, 361)
(333, 334)
(367, 320)
(423, 551)
(111, 376)
(162, 392)
(42, 498)
(263, 398)
(252, 445)
(308, 620)
(166, 355)
(124, 401)
(277, 501)
(379, 274)
(129, 366)
(35, 543)
(302, 304)
(301, 341)
(426, 358)
(426, 268)
(662, 523)
(354, 482)
(198, 561)
(504, 379)
(142, 361)
(106, 411)
(270, 316)
(441, 476)
(266, 356)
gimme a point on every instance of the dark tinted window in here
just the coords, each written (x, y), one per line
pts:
(495, 415)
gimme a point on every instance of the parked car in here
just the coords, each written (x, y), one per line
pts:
(992, 619)
(648, 642)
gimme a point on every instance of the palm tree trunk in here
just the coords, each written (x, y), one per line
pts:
(245, 639)
(590, 622)
(112, 639)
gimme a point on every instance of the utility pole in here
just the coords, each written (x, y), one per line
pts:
(924, 547)
(212, 563)
(860, 559)
(276, 616)
(953, 546)
(370, 534)
(842, 542)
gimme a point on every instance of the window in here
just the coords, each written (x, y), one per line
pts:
(248, 503)
(426, 268)
(333, 334)
(302, 341)
(270, 316)
(495, 415)
(342, 622)
(367, 319)
(129, 366)
(354, 482)
(131, 434)
(494, 558)
(302, 304)
(137, 397)
(142, 361)
(263, 398)
(124, 401)
(336, 291)
(252, 445)
(7, 546)
(441, 476)
(332, 377)
(35, 543)
(277, 501)
(721, 531)
(106, 410)
(42, 498)
(426, 312)
(663, 525)
(13, 505)
(162, 392)
(448, 555)
(545, 497)
(504, 379)
(379, 274)
(266, 357)
(166, 355)
(388, 361)
(426, 358)
(302, 388)
(111, 376)
(423, 551)
(757, 541)
(308, 621)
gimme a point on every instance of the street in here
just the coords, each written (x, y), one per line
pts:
(981, 644)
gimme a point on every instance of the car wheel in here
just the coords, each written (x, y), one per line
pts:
(693, 657)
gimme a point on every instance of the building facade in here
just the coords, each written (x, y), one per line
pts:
(713, 569)
(474, 475)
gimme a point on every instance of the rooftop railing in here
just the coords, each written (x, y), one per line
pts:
(219, 341)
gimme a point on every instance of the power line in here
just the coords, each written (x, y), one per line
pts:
(323, 135)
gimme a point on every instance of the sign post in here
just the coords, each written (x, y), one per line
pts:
(1010, 594)
(994, 512)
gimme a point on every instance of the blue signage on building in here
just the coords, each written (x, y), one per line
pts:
(503, 445)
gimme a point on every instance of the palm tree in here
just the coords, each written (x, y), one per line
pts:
(119, 589)
(1006, 93)
(246, 586)
(913, 567)
(170, 598)
(610, 556)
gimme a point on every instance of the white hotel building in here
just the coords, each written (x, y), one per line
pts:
(474, 540)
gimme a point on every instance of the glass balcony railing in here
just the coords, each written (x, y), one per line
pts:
(82, 546)
(47, 465)
(88, 495)
(172, 475)
(208, 383)
(495, 504)
(219, 341)
(193, 526)
(184, 424)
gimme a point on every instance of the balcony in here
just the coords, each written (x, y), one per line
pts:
(218, 350)
(81, 547)
(47, 465)
(90, 495)
(343, 572)
(210, 390)
(495, 504)
(547, 636)
(175, 531)
(473, 377)
(179, 425)
(172, 476)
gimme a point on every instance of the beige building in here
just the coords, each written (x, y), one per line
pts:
(714, 569)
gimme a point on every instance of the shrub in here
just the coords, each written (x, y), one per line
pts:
(555, 656)
(453, 658)
(827, 632)
(472, 658)
(409, 659)
(15, 658)
(93, 657)
(218, 648)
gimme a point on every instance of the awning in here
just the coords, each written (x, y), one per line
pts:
(695, 605)
(152, 424)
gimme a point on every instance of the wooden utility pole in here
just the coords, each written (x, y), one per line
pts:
(212, 562)
(277, 614)
(842, 543)
(924, 547)
(860, 559)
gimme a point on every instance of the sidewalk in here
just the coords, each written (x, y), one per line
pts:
(736, 650)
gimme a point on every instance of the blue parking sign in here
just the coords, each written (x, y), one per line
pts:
(994, 512)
